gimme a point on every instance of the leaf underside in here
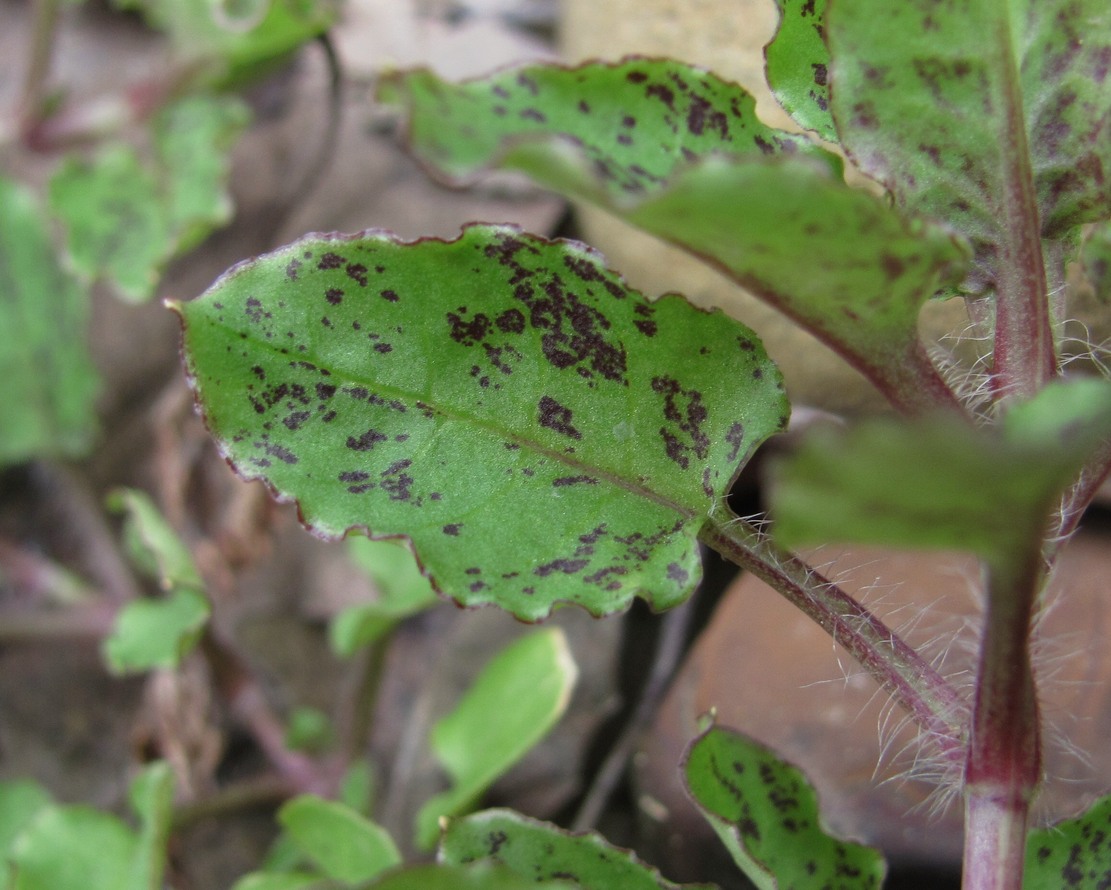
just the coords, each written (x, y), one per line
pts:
(750, 200)
(541, 432)
(974, 100)
(766, 813)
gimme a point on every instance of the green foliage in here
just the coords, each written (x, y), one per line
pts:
(908, 485)
(342, 844)
(798, 65)
(404, 592)
(126, 216)
(751, 205)
(156, 633)
(605, 424)
(451, 877)
(968, 103)
(540, 851)
(1071, 855)
(43, 359)
(766, 813)
(49, 846)
(511, 705)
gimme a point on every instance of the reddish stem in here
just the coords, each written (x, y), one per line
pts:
(922, 691)
(1003, 770)
(1024, 356)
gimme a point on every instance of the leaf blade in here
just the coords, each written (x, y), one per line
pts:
(484, 736)
(542, 377)
(766, 813)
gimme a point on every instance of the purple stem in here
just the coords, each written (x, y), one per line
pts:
(1004, 754)
(922, 691)
(1024, 354)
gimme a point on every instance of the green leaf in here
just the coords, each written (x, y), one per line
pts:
(781, 222)
(236, 40)
(835, 259)
(152, 543)
(44, 363)
(20, 803)
(939, 483)
(405, 591)
(541, 851)
(308, 730)
(766, 813)
(115, 226)
(971, 100)
(73, 848)
(281, 881)
(481, 876)
(517, 698)
(437, 390)
(126, 217)
(193, 139)
(629, 126)
(152, 799)
(345, 845)
(156, 633)
(1075, 853)
(798, 65)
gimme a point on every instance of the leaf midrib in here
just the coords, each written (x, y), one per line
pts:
(393, 392)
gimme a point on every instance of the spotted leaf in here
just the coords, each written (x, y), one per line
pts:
(1072, 855)
(541, 851)
(766, 813)
(538, 430)
(614, 130)
(769, 209)
(798, 65)
(993, 116)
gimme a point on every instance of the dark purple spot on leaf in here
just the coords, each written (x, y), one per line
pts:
(330, 261)
(357, 273)
(453, 529)
(556, 417)
(334, 296)
(366, 441)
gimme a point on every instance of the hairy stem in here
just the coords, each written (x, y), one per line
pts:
(1024, 354)
(1004, 754)
(928, 698)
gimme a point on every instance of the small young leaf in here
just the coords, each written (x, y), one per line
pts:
(480, 876)
(766, 813)
(151, 542)
(308, 730)
(1071, 855)
(513, 703)
(633, 124)
(152, 798)
(156, 633)
(345, 845)
(540, 431)
(798, 65)
(541, 851)
(44, 363)
(405, 591)
(939, 483)
(73, 848)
